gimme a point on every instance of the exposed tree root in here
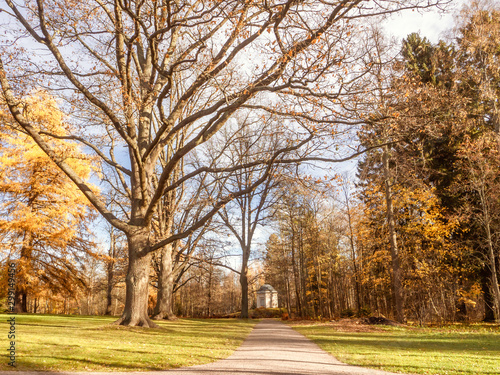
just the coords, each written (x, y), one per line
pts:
(137, 322)
(161, 316)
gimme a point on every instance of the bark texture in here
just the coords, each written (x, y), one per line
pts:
(137, 282)
(164, 308)
(244, 292)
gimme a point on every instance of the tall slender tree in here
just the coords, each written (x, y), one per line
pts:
(246, 214)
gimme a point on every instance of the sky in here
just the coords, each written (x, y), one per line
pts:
(431, 24)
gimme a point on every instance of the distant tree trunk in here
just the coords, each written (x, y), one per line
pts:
(21, 288)
(319, 278)
(353, 249)
(21, 301)
(109, 289)
(110, 271)
(209, 295)
(288, 297)
(489, 314)
(287, 282)
(137, 281)
(164, 300)
(296, 276)
(397, 286)
(244, 282)
(303, 274)
(491, 257)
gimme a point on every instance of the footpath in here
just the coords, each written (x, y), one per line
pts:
(276, 349)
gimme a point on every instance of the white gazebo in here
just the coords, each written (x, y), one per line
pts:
(267, 297)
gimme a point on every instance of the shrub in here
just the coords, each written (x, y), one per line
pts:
(365, 311)
(347, 313)
(262, 312)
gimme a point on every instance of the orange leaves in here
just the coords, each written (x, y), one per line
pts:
(42, 211)
(32, 181)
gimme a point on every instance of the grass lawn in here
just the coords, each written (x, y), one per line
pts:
(449, 350)
(84, 343)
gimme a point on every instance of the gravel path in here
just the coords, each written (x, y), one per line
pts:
(274, 348)
(271, 348)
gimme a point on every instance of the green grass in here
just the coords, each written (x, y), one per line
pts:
(450, 350)
(84, 343)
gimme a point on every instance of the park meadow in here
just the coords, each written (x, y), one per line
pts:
(92, 343)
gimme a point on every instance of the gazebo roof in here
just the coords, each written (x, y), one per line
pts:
(266, 287)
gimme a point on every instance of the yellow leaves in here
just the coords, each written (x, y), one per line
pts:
(38, 197)
(423, 236)
(42, 110)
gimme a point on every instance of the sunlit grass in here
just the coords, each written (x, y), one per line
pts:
(450, 350)
(84, 343)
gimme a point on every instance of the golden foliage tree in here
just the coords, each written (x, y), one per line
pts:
(43, 215)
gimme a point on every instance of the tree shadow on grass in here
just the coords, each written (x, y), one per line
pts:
(78, 362)
(103, 365)
(450, 343)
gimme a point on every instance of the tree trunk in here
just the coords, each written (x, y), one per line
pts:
(303, 275)
(296, 280)
(164, 299)
(209, 296)
(397, 289)
(489, 314)
(494, 282)
(109, 288)
(135, 312)
(353, 254)
(286, 275)
(244, 292)
(491, 257)
(24, 268)
(21, 298)
(110, 270)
